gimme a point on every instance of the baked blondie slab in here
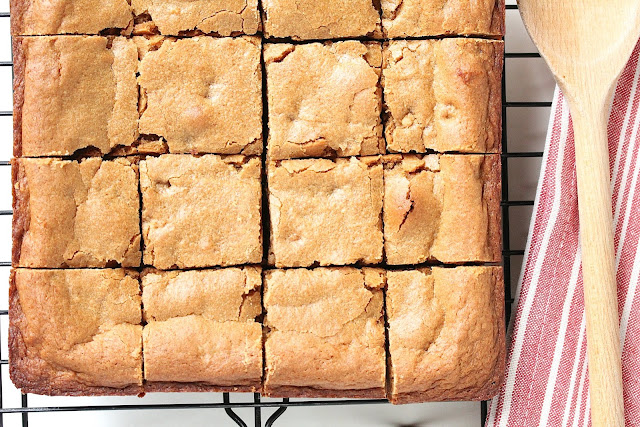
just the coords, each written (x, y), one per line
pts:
(442, 208)
(168, 17)
(201, 332)
(325, 212)
(201, 211)
(443, 95)
(446, 334)
(324, 100)
(75, 332)
(74, 93)
(325, 333)
(418, 18)
(321, 19)
(201, 94)
(75, 213)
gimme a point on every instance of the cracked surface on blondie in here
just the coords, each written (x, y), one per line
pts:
(326, 332)
(77, 92)
(320, 19)
(201, 328)
(324, 99)
(76, 214)
(415, 18)
(325, 212)
(201, 211)
(442, 208)
(221, 17)
(75, 332)
(446, 333)
(443, 95)
(202, 94)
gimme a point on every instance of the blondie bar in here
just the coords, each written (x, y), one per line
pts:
(201, 332)
(325, 333)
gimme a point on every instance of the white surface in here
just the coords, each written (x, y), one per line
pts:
(527, 80)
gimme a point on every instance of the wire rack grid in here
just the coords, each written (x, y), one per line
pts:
(266, 412)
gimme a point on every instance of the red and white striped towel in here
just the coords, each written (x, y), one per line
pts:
(547, 381)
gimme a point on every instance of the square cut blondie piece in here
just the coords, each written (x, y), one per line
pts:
(446, 334)
(74, 93)
(201, 211)
(201, 332)
(325, 212)
(75, 332)
(50, 17)
(443, 95)
(417, 18)
(188, 17)
(76, 214)
(325, 333)
(442, 208)
(202, 94)
(321, 19)
(324, 99)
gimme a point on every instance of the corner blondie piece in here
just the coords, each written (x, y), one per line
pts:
(417, 18)
(201, 332)
(75, 214)
(326, 333)
(201, 211)
(324, 99)
(321, 19)
(442, 208)
(446, 334)
(75, 332)
(50, 17)
(443, 95)
(74, 93)
(202, 94)
(184, 17)
(326, 212)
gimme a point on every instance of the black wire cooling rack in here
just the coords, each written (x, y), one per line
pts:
(277, 408)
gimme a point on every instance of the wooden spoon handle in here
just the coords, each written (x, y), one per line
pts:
(598, 264)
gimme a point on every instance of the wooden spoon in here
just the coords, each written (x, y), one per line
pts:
(587, 44)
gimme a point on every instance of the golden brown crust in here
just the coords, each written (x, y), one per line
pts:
(17, 9)
(202, 94)
(442, 208)
(75, 214)
(201, 211)
(37, 361)
(18, 92)
(326, 212)
(418, 18)
(175, 387)
(324, 99)
(325, 332)
(492, 194)
(443, 95)
(446, 334)
(321, 19)
(216, 17)
(310, 393)
(21, 220)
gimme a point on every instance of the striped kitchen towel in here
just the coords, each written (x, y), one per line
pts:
(547, 381)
